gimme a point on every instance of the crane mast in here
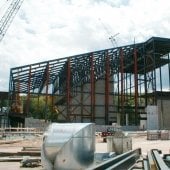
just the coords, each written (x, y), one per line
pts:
(8, 17)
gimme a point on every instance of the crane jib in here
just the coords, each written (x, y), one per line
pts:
(8, 16)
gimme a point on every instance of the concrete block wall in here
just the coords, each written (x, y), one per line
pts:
(164, 113)
(119, 145)
(39, 124)
(152, 117)
(81, 104)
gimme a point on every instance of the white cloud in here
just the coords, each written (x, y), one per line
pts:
(44, 30)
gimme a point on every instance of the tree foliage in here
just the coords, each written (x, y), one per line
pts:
(41, 107)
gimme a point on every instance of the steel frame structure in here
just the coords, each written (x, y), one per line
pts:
(116, 82)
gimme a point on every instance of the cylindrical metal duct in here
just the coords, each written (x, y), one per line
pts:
(68, 146)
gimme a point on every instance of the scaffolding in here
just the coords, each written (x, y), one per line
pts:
(107, 86)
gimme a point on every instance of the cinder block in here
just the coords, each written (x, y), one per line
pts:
(153, 135)
(164, 135)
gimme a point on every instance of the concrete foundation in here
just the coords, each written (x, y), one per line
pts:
(152, 117)
(119, 145)
(36, 123)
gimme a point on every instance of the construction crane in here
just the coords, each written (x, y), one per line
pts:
(9, 15)
(12, 7)
(111, 37)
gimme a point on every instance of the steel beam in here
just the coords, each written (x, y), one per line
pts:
(160, 164)
(119, 162)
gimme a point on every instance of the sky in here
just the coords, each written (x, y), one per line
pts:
(50, 29)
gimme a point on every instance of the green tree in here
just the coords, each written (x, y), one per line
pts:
(39, 108)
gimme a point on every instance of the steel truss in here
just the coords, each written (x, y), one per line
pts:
(103, 86)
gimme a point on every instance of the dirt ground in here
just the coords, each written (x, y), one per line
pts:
(147, 145)
(138, 141)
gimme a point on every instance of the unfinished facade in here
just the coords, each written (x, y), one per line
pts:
(108, 86)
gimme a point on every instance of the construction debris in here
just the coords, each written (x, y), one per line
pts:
(29, 162)
(158, 134)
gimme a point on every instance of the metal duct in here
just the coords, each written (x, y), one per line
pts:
(68, 146)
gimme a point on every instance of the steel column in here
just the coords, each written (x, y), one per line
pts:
(46, 92)
(145, 77)
(92, 85)
(81, 102)
(136, 83)
(38, 102)
(28, 95)
(107, 80)
(154, 72)
(162, 109)
(122, 84)
(52, 105)
(68, 88)
(17, 102)
(169, 69)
